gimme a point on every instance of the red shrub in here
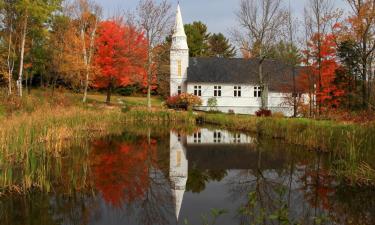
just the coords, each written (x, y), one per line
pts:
(263, 113)
(183, 101)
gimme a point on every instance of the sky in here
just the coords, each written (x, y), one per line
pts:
(218, 15)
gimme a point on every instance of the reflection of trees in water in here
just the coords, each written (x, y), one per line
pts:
(125, 172)
(354, 205)
(273, 196)
(128, 176)
(198, 178)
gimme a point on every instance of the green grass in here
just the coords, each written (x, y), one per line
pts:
(129, 101)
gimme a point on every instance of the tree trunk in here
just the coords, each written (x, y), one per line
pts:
(10, 63)
(294, 93)
(23, 40)
(26, 81)
(364, 72)
(149, 77)
(85, 60)
(88, 56)
(109, 92)
(263, 86)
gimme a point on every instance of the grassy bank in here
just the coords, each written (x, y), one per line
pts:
(350, 146)
(322, 135)
(55, 121)
(55, 126)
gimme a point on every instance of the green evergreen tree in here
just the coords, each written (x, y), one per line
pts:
(197, 38)
(219, 46)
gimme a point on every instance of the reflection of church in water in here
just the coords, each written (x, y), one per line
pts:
(204, 139)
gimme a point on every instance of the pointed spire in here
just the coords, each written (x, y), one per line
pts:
(178, 196)
(179, 30)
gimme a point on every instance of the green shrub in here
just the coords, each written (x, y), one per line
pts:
(212, 104)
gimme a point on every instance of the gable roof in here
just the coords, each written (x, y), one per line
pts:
(241, 71)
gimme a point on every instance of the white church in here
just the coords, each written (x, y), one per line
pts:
(232, 81)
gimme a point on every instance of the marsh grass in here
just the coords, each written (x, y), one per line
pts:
(350, 146)
(36, 137)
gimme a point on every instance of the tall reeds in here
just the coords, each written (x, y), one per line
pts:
(351, 146)
(31, 142)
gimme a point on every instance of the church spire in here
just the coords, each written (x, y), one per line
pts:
(179, 30)
(179, 40)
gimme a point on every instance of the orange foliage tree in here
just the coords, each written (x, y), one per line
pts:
(322, 71)
(120, 56)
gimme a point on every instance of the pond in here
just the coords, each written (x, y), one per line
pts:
(166, 175)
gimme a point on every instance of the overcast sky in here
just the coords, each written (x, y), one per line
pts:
(217, 14)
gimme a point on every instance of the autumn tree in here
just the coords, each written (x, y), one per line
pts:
(323, 66)
(162, 63)
(66, 62)
(120, 56)
(31, 12)
(362, 29)
(87, 14)
(261, 22)
(321, 18)
(155, 21)
(8, 11)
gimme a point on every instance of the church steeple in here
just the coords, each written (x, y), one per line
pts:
(179, 57)
(179, 36)
(179, 30)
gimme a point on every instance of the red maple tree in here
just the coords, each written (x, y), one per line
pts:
(321, 71)
(120, 57)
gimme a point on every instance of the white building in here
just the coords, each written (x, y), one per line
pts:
(233, 82)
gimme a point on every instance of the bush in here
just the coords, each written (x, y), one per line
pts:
(212, 104)
(183, 101)
(278, 115)
(263, 113)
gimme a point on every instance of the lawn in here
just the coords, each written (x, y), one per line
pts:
(128, 100)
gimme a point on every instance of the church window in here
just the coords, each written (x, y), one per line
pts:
(237, 138)
(197, 137)
(217, 91)
(179, 68)
(217, 137)
(178, 158)
(237, 91)
(179, 90)
(257, 92)
(198, 90)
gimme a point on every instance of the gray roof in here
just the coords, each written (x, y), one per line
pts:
(240, 71)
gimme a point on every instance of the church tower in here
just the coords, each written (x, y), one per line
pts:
(178, 170)
(179, 57)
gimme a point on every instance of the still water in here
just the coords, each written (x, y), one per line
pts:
(159, 175)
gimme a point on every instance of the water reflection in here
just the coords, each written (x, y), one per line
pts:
(158, 175)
